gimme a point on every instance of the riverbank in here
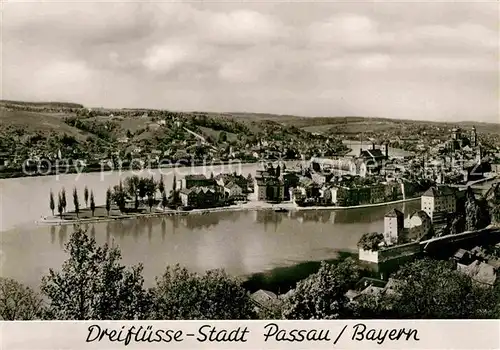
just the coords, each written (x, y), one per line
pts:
(248, 206)
(73, 169)
(357, 206)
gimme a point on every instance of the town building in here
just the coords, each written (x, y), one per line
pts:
(196, 180)
(495, 166)
(290, 180)
(199, 197)
(339, 166)
(439, 201)
(269, 189)
(393, 226)
(480, 272)
(375, 155)
(269, 184)
(233, 191)
(238, 179)
(419, 225)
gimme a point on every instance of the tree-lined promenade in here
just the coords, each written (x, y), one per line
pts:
(134, 195)
(93, 284)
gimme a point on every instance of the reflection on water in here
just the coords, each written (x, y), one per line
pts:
(63, 234)
(163, 229)
(281, 279)
(52, 234)
(243, 243)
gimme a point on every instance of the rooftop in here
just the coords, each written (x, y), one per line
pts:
(480, 272)
(372, 153)
(394, 213)
(422, 214)
(439, 191)
(195, 177)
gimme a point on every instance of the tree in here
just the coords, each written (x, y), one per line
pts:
(471, 210)
(371, 241)
(321, 295)
(495, 213)
(51, 202)
(457, 225)
(59, 205)
(175, 193)
(108, 200)
(161, 185)
(183, 295)
(119, 196)
(63, 198)
(250, 179)
(434, 289)
(484, 217)
(132, 188)
(93, 285)
(86, 196)
(150, 187)
(142, 187)
(223, 137)
(373, 307)
(136, 203)
(18, 302)
(76, 202)
(164, 201)
(477, 215)
(92, 202)
(151, 202)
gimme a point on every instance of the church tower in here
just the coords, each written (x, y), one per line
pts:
(479, 154)
(473, 139)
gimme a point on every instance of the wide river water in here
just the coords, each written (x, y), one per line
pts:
(243, 243)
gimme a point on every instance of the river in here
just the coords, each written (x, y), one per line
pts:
(243, 243)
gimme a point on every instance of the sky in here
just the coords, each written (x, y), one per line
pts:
(408, 60)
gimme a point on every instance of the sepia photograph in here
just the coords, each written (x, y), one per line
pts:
(249, 160)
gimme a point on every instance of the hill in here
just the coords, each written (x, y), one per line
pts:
(39, 105)
(359, 123)
(35, 122)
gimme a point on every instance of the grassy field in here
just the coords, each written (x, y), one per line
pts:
(214, 134)
(43, 122)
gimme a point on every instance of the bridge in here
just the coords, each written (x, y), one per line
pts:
(480, 187)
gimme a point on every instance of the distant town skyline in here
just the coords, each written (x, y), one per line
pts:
(422, 60)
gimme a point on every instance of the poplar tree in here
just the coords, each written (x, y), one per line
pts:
(76, 202)
(92, 202)
(59, 205)
(164, 201)
(86, 196)
(108, 200)
(51, 202)
(161, 185)
(63, 199)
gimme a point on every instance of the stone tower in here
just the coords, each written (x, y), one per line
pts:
(473, 138)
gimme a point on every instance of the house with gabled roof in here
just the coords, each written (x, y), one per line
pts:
(438, 201)
(481, 272)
